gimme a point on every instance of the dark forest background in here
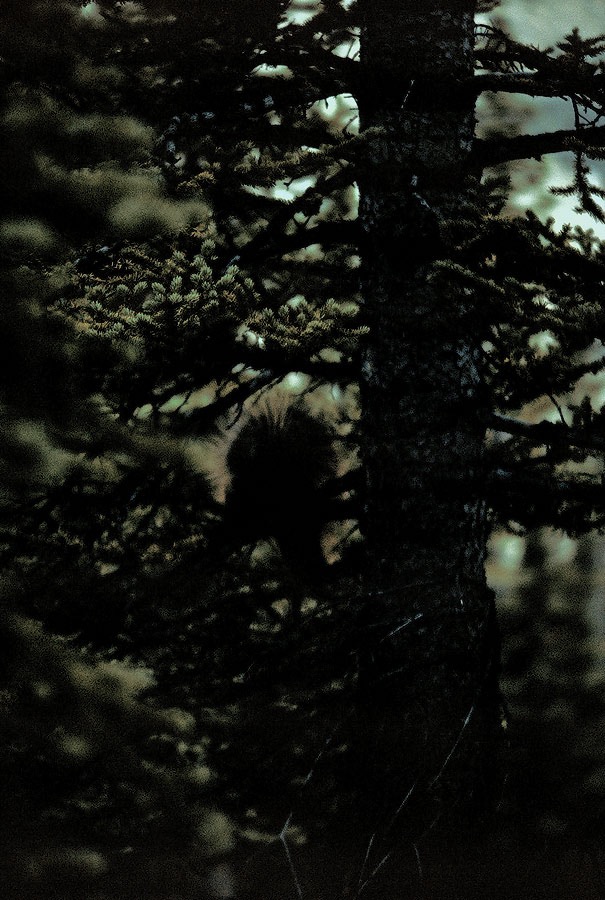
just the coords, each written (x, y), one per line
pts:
(183, 618)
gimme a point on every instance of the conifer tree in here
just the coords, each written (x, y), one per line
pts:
(206, 212)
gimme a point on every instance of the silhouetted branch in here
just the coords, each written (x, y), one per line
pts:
(548, 433)
(536, 86)
(534, 146)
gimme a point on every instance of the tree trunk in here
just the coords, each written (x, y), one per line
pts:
(428, 668)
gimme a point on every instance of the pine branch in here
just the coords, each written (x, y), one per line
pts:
(549, 433)
(201, 420)
(272, 243)
(271, 369)
(533, 146)
(588, 86)
(327, 65)
(534, 499)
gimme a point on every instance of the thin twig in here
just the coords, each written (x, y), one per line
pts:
(454, 747)
(297, 884)
(557, 406)
(418, 861)
(365, 860)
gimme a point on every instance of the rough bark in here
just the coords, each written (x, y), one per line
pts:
(428, 703)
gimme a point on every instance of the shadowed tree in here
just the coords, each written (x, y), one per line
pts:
(424, 404)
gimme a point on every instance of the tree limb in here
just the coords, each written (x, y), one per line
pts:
(548, 433)
(535, 86)
(533, 146)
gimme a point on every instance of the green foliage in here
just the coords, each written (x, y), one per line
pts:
(298, 326)
(174, 323)
(95, 781)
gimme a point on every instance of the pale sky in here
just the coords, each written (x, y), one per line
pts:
(544, 23)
